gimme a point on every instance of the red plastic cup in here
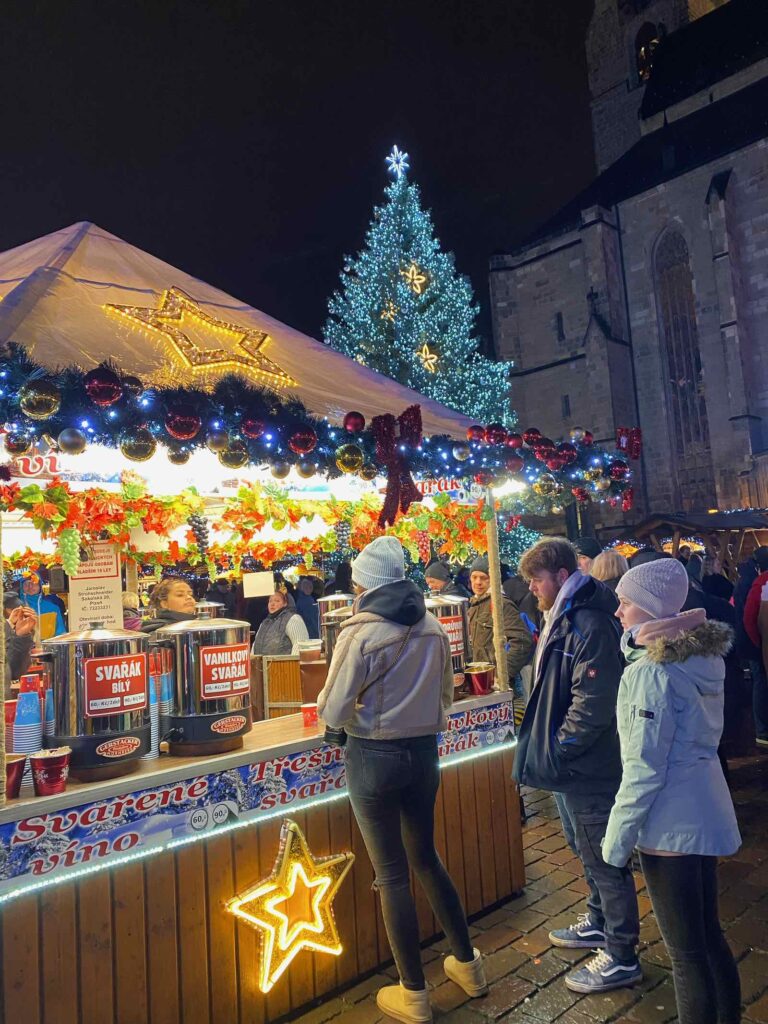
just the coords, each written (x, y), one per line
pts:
(29, 683)
(14, 771)
(481, 676)
(50, 770)
(309, 713)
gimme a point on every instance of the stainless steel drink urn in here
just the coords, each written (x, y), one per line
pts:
(100, 696)
(453, 614)
(211, 708)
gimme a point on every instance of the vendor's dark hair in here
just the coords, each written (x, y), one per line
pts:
(344, 574)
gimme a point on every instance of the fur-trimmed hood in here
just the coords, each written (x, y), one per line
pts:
(709, 640)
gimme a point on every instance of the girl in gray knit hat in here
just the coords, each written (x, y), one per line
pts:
(673, 803)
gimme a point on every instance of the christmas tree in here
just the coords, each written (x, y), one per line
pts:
(404, 311)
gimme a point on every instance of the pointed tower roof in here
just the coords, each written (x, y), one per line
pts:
(81, 295)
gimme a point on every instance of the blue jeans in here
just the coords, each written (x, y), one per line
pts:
(392, 787)
(612, 901)
(759, 699)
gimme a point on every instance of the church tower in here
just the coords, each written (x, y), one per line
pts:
(620, 43)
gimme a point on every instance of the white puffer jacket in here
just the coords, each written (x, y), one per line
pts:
(364, 694)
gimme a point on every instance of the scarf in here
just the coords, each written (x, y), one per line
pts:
(574, 582)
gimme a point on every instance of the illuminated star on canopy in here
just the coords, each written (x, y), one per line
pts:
(397, 163)
(428, 358)
(178, 313)
(415, 278)
(285, 932)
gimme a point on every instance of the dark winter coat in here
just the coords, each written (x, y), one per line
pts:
(451, 589)
(519, 641)
(18, 654)
(164, 617)
(518, 592)
(746, 650)
(568, 741)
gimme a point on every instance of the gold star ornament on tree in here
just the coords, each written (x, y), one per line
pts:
(293, 908)
(180, 321)
(428, 358)
(416, 279)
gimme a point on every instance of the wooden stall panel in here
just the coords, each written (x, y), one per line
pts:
(162, 940)
(251, 1001)
(94, 912)
(222, 954)
(22, 963)
(58, 919)
(130, 944)
(193, 934)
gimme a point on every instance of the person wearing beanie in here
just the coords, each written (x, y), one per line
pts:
(568, 744)
(518, 638)
(673, 803)
(440, 582)
(389, 685)
(587, 549)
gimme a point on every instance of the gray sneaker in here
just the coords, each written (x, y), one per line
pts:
(582, 935)
(603, 973)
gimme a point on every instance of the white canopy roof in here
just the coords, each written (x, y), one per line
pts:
(55, 296)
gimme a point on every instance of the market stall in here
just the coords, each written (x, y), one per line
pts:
(128, 898)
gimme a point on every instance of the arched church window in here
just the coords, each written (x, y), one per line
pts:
(681, 358)
(646, 41)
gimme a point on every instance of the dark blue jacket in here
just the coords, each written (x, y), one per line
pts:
(568, 741)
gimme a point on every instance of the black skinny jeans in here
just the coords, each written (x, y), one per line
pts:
(683, 891)
(392, 787)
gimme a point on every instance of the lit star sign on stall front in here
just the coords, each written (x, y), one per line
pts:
(182, 322)
(293, 907)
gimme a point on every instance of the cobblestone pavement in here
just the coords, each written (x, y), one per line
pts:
(526, 973)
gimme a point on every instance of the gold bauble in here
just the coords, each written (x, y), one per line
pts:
(368, 471)
(306, 470)
(138, 445)
(349, 458)
(40, 399)
(217, 440)
(72, 441)
(546, 485)
(557, 510)
(603, 484)
(177, 457)
(576, 434)
(593, 474)
(234, 456)
(280, 470)
(17, 444)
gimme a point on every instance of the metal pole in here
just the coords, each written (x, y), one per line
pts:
(494, 570)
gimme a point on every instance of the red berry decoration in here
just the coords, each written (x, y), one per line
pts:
(302, 441)
(103, 386)
(183, 424)
(514, 441)
(483, 478)
(495, 434)
(581, 494)
(568, 451)
(513, 462)
(476, 433)
(618, 469)
(588, 438)
(354, 422)
(425, 550)
(531, 436)
(252, 427)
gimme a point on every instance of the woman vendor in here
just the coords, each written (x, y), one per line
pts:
(172, 600)
(282, 629)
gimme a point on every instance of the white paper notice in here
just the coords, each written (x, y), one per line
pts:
(96, 592)
(258, 584)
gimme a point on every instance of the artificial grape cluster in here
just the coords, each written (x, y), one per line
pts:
(69, 548)
(425, 551)
(199, 526)
(343, 532)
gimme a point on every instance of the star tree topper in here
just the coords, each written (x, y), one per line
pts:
(284, 932)
(178, 312)
(397, 163)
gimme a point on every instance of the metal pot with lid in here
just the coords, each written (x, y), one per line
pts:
(211, 709)
(453, 615)
(100, 681)
(332, 623)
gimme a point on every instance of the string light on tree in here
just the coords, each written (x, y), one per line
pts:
(402, 289)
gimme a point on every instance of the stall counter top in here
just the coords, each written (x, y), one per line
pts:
(267, 740)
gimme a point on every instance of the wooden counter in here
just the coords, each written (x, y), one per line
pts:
(97, 930)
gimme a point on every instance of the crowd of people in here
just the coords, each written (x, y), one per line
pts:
(628, 677)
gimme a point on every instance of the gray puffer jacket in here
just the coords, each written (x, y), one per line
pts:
(364, 693)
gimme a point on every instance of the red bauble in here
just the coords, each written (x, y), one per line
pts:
(354, 422)
(495, 434)
(182, 424)
(614, 502)
(618, 469)
(556, 461)
(531, 436)
(514, 441)
(568, 451)
(588, 438)
(102, 386)
(253, 428)
(544, 444)
(302, 441)
(581, 494)
(628, 500)
(484, 478)
(476, 433)
(513, 462)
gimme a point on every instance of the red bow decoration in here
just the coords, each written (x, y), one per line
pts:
(401, 490)
(629, 441)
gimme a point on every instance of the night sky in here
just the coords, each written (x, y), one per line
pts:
(244, 142)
